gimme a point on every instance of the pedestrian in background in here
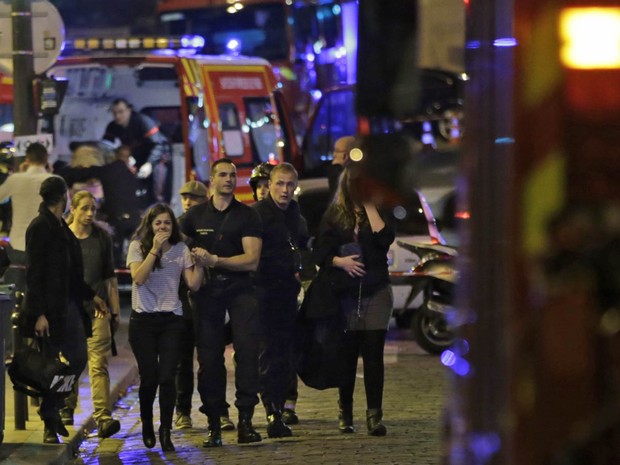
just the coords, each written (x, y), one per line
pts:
(121, 204)
(96, 246)
(278, 285)
(157, 258)
(55, 294)
(227, 235)
(340, 159)
(192, 193)
(22, 188)
(351, 218)
(150, 148)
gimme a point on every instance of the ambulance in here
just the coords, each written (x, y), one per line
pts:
(208, 107)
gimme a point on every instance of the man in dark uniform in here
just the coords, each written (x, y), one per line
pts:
(278, 285)
(227, 235)
(148, 145)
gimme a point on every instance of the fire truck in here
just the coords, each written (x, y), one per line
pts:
(6, 107)
(208, 107)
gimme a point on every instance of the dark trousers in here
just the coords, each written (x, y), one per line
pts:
(16, 273)
(370, 345)
(73, 348)
(278, 307)
(185, 370)
(212, 302)
(155, 340)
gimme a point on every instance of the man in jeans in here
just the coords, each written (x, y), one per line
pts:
(96, 246)
(227, 235)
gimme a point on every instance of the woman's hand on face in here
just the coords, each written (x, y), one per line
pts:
(159, 239)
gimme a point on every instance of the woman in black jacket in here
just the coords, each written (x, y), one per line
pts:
(55, 294)
(354, 240)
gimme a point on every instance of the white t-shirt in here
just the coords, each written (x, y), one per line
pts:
(23, 190)
(160, 292)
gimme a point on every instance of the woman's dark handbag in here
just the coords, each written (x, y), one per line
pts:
(37, 369)
(319, 349)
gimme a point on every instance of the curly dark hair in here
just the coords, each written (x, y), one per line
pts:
(144, 234)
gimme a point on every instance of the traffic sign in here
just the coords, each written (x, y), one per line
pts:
(48, 35)
(22, 142)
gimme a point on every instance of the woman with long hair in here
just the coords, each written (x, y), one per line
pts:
(157, 258)
(354, 240)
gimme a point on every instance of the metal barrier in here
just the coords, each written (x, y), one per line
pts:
(20, 399)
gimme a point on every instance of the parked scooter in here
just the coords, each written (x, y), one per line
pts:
(433, 282)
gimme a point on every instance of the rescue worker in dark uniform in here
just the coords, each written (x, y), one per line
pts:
(149, 147)
(227, 236)
(278, 285)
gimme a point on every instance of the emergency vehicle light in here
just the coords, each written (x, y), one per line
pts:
(187, 42)
(591, 38)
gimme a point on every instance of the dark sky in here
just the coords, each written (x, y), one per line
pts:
(138, 14)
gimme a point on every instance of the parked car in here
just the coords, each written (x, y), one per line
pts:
(441, 105)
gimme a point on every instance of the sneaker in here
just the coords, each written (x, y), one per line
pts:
(290, 417)
(183, 421)
(226, 424)
(108, 428)
(66, 416)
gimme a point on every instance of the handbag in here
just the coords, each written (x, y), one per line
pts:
(320, 344)
(37, 369)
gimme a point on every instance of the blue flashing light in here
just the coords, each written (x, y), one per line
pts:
(336, 10)
(505, 42)
(233, 46)
(484, 445)
(316, 94)
(461, 367)
(448, 358)
(192, 41)
(473, 44)
(461, 346)
(504, 140)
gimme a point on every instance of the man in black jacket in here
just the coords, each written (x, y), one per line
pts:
(149, 146)
(55, 294)
(277, 281)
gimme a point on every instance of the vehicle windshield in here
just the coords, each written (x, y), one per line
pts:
(260, 30)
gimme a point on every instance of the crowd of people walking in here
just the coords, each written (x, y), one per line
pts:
(223, 272)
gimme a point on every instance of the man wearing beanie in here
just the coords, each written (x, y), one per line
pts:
(55, 294)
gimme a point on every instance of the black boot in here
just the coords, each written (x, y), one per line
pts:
(345, 418)
(374, 423)
(245, 431)
(214, 438)
(276, 428)
(148, 433)
(50, 433)
(165, 441)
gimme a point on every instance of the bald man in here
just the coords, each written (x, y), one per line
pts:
(342, 147)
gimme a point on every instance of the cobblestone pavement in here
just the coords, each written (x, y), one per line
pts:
(415, 387)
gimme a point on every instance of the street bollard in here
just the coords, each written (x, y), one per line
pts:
(20, 399)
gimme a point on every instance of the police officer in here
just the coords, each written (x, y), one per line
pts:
(227, 235)
(278, 285)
